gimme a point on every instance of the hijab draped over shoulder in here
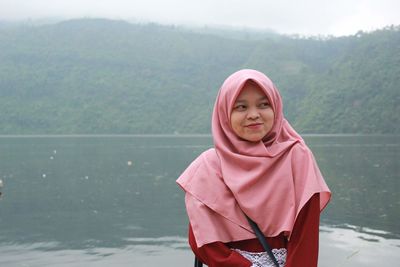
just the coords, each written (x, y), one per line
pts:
(270, 180)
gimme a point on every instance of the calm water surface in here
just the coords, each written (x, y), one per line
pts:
(113, 201)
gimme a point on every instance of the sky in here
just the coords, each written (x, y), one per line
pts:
(304, 17)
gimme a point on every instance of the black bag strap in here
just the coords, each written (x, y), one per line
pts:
(197, 262)
(262, 240)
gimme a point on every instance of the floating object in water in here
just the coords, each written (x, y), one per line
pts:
(129, 163)
(55, 151)
(43, 175)
(1, 187)
(51, 157)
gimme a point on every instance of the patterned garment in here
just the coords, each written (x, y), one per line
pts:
(262, 259)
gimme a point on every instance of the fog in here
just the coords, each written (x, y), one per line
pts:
(307, 17)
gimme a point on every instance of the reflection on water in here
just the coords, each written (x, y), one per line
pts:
(43, 254)
(363, 173)
(113, 201)
(340, 247)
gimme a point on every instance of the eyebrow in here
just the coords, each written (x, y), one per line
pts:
(260, 99)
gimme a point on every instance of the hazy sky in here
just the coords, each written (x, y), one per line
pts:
(334, 17)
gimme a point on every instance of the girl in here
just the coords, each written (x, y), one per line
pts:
(260, 167)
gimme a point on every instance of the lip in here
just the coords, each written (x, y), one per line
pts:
(254, 125)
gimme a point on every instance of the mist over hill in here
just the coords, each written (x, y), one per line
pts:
(96, 76)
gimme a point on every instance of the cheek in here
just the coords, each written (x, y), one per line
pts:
(235, 121)
(270, 118)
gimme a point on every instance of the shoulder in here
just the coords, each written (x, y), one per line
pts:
(205, 164)
(302, 157)
(207, 158)
(211, 158)
(208, 162)
(300, 149)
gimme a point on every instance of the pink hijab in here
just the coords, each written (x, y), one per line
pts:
(270, 180)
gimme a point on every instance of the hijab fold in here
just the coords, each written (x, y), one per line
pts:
(270, 180)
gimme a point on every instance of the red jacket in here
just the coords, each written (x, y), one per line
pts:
(302, 249)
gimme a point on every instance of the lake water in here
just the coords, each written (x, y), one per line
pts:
(113, 201)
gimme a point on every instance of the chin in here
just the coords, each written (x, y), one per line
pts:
(253, 139)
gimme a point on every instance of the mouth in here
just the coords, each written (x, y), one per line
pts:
(254, 125)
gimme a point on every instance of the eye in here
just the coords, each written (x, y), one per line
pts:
(264, 105)
(240, 107)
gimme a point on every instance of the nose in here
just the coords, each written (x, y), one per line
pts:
(253, 114)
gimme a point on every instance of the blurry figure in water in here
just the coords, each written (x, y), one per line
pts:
(1, 187)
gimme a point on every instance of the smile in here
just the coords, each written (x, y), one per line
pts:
(254, 126)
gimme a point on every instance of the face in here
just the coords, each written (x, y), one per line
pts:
(252, 116)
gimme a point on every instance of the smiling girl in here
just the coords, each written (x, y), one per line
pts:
(261, 168)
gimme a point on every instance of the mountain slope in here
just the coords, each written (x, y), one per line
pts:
(95, 76)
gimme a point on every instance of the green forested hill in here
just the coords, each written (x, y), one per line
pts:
(100, 77)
